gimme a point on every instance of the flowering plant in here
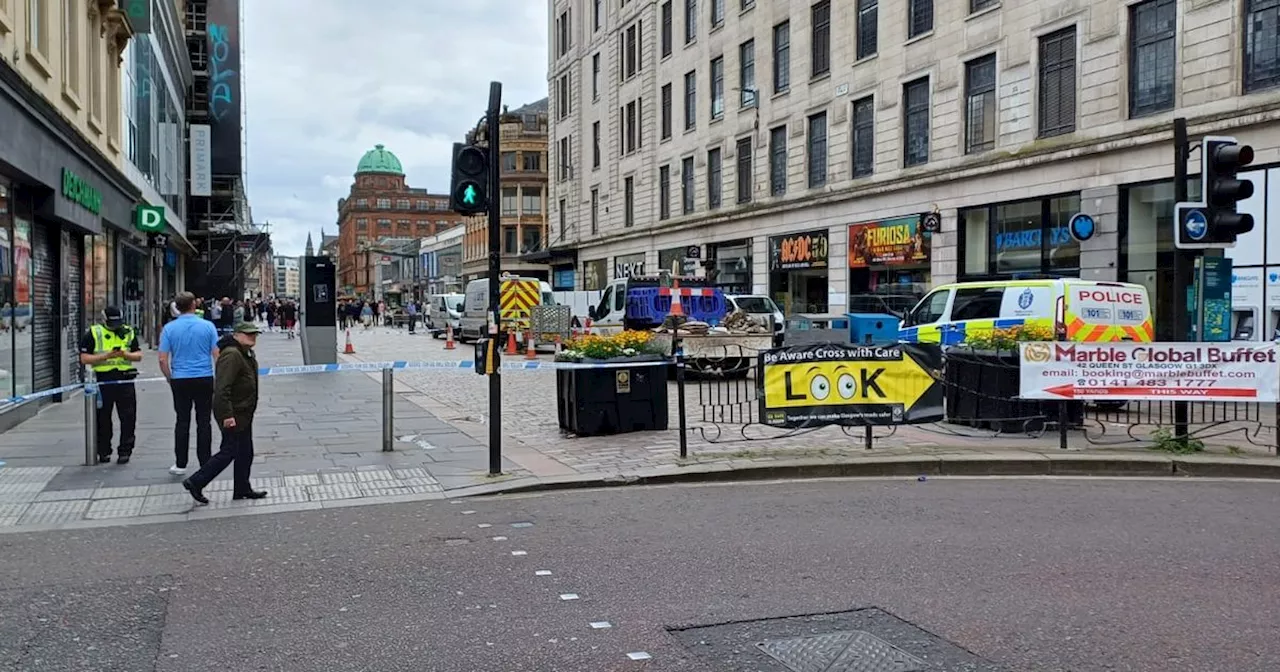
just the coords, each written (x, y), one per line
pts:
(623, 344)
(1006, 339)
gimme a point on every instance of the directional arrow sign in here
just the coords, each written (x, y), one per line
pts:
(1130, 392)
(836, 384)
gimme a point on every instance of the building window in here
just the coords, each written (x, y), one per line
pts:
(71, 44)
(743, 178)
(384, 203)
(629, 201)
(868, 32)
(597, 14)
(714, 181)
(664, 192)
(782, 57)
(564, 96)
(821, 14)
(95, 67)
(1261, 45)
(595, 76)
(631, 130)
(384, 224)
(666, 28)
(38, 27)
(665, 113)
(817, 150)
(1152, 41)
(919, 17)
(595, 211)
(690, 101)
(747, 4)
(717, 13)
(362, 225)
(532, 161)
(690, 20)
(564, 33)
(686, 185)
(1058, 82)
(566, 165)
(747, 73)
(531, 200)
(980, 104)
(631, 58)
(595, 144)
(510, 196)
(979, 5)
(510, 238)
(915, 103)
(864, 140)
(717, 87)
(362, 202)
(778, 161)
(508, 161)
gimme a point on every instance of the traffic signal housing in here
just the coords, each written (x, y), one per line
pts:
(469, 186)
(1221, 160)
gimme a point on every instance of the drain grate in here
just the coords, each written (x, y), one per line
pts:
(854, 651)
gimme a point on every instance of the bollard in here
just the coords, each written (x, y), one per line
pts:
(388, 410)
(90, 425)
(680, 400)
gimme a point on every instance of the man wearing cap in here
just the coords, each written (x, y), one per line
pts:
(111, 349)
(235, 400)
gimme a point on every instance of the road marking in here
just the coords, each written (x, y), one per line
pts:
(639, 655)
(499, 538)
(484, 525)
(568, 596)
(600, 625)
(519, 553)
(542, 572)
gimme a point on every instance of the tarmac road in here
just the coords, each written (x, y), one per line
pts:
(1033, 574)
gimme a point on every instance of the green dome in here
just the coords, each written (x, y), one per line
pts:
(379, 160)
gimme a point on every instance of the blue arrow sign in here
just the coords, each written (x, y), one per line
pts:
(1196, 225)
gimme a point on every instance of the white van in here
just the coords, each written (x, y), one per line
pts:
(443, 310)
(475, 310)
(1084, 310)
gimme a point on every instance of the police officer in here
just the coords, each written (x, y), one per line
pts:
(110, 349)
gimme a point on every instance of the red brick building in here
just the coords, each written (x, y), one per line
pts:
(381, 207)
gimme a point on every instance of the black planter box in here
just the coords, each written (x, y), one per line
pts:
(982, 389)
(592, 401)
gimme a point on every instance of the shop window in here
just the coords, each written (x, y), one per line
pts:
(1020, 238)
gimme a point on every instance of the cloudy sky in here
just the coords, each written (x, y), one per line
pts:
(326, 80)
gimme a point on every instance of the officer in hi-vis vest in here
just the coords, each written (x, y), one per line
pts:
(110, 349)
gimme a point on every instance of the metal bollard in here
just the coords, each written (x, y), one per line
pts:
(90, 425)
(388, 410)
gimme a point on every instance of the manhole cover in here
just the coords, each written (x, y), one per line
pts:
(841, 652)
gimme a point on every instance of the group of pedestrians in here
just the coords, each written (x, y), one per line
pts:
(211, 373)
(369, 314)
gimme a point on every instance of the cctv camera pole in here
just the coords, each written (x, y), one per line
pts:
(495, 270)
(1183, 264)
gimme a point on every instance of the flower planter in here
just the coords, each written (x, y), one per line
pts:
(614, 396)
(982, 391)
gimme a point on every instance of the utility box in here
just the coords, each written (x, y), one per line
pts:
(872, 328)
(318, 318)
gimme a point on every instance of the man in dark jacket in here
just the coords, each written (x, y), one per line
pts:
(235, 400)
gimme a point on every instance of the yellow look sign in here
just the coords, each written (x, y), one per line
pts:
(848, 385)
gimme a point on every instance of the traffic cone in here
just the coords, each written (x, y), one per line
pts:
(448, 337)
(530, 348)
(677, 310)
(350, 349)
(511, 343)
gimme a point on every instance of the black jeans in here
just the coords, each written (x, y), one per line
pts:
(237, 447)
(189, 393)
(123, 398)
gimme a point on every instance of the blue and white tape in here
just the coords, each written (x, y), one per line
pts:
(529, 365)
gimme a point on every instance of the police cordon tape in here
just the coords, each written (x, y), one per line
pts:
(458, 365)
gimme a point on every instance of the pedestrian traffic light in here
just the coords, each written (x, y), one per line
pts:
(469, 194)
(1221, 159)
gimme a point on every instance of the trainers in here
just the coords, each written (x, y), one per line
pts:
(123, 459)
(178, 471)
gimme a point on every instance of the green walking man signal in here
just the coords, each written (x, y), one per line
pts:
(470, 180)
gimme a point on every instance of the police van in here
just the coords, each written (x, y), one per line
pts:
(1082, 310)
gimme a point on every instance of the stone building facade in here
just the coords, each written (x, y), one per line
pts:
(761, 138)
(382, 207)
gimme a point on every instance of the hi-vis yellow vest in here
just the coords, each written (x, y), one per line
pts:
(105, 340)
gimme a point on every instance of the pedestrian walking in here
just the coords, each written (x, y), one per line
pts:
(411, 310)
(188, 349)
(110, 349)
(235, 400)
(366, 316)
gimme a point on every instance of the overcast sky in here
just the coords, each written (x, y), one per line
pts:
(326, 80)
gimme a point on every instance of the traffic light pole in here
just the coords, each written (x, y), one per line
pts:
(495, 272)
(1183, 263)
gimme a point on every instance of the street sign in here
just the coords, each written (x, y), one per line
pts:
(1150, 371)
(149, 218)
(1191, 227)
(837, 384)
(931, 222)
(1082, 227)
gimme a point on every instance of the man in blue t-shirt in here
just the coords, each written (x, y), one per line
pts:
(188, 349)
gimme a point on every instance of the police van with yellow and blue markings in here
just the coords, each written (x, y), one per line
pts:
(1081, 310)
